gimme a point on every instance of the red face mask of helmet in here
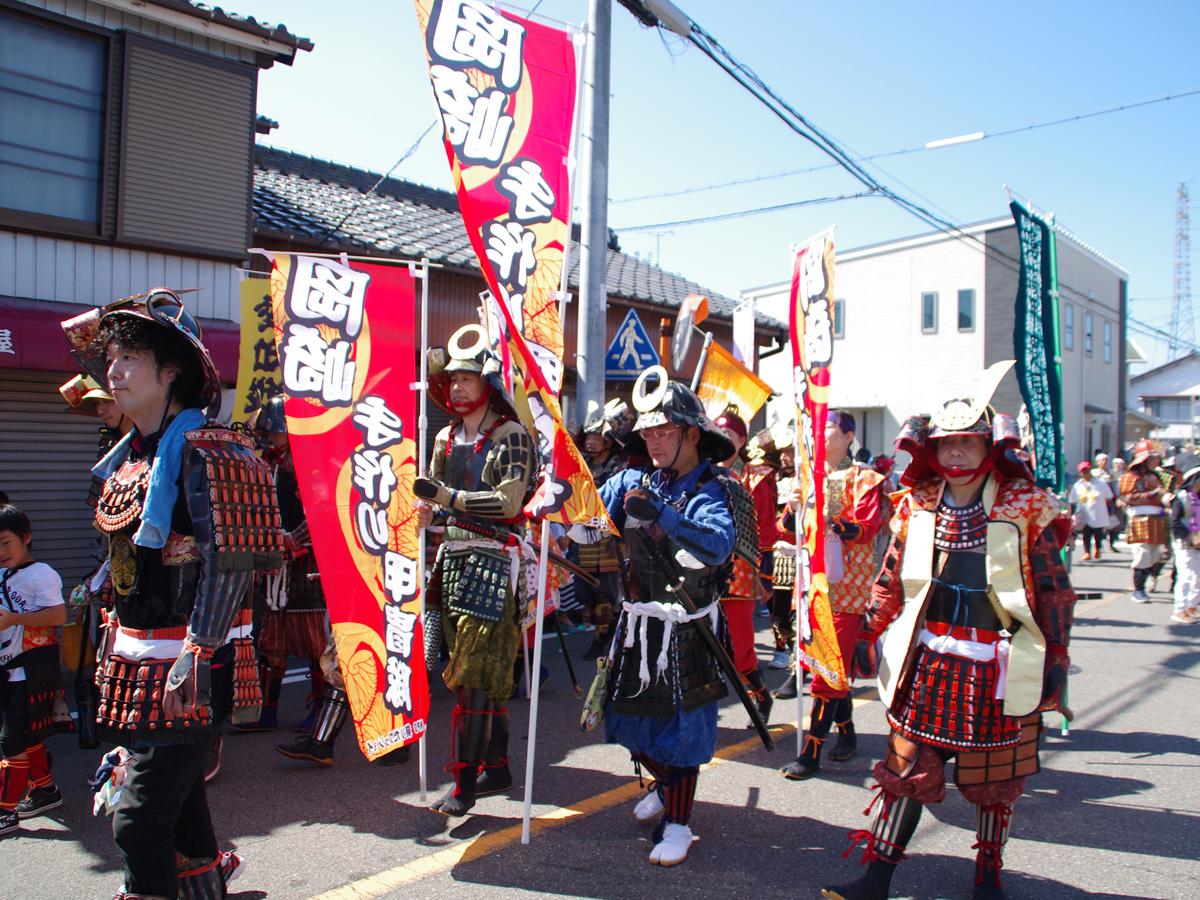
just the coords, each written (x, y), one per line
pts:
(959, 472)
(465, 409)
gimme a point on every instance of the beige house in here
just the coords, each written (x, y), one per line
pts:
(915, 312)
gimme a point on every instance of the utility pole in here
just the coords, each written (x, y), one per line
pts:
(593, 258)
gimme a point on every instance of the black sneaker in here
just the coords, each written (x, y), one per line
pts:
(9, 821)
(39, 801)
(306, 749)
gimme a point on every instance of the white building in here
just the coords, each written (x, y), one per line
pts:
(915, 312)
(1171, 393)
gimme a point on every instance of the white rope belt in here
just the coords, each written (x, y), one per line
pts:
(638, 616)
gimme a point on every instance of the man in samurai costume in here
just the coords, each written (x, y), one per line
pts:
(85, 396)
(979, 607)
(480, 478)
(675, 519)
(746, 582)
(854, 507)
(604, 436)
(1142, 491)
(189, 513)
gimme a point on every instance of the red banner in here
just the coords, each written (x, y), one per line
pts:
(347, 353)
(505, 87)
(811, 323)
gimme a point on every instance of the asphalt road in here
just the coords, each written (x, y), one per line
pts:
(1114, 813)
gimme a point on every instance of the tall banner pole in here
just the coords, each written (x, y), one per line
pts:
(535, 690)
(797, 587)
(708, 339)
(422, 272)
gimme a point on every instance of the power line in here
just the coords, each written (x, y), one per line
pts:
(382, 178)
(840, 154)
(742, 213)
(754, 179)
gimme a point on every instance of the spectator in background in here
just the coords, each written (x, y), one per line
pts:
(1100, 473)
(1185, 536)
(1089, 500)
(1118, 522)
(1142, 491)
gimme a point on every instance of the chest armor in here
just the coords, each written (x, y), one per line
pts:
(959, 595)
(122, 498)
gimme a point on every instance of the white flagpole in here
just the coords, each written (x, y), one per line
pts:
(708, 339)
(796, 589)
(422, 445)
(578, 39)
(535, 687)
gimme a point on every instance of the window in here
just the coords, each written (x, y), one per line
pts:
(1087, 333)
(1107, 341)
(966, 310)
(839, 318)
(929, 304)
(1068, 327)
(52, 85)
(1170, 409)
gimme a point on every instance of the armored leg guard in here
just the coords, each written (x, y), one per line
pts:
(469, 735)
(673, 837)
(846, 745)
(201, 880)
(756, 687)
(317, 746)
(494, 775)
(991, 835)
(885, 843)
(808, 763)
(268, 719)
(14, 782)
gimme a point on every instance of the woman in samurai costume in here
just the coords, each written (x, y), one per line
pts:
(676, 522)
(979, 608)
(189, 513)
(480, 477)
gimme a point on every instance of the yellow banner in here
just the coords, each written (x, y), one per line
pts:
(258, 363)
(725, 382)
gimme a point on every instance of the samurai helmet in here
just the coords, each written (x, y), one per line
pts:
(81, 394)
(269, 418)
(160, 306)
(468, 350)
(963, 410)
(660, 401)
(1143, 450)
(761, 449)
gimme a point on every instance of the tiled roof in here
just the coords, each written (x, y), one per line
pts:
(302, 199)
(248, 24)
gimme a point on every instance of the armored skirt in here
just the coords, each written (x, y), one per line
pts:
(668, 714)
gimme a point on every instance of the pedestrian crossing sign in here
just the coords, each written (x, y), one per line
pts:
(631, 350)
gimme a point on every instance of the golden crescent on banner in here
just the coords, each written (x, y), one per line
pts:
(474, 176)
(335, 415)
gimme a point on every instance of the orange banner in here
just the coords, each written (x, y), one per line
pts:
(505, 88)
(258, 364)
(811, 321)
(347, 353)
(725, 382)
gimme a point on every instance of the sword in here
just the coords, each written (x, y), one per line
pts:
(710, 639)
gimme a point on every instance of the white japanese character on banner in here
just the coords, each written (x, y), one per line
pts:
(380, 426)
(549, 363)
(510, 248)
(314, 368)
(488, 130)
(323, 290)
(372, 528)
(818, 334)
(399, 631)
(455, 97)
(530, 196)
(399, 576)
(373, 475)
(473, 33)
(398, 695)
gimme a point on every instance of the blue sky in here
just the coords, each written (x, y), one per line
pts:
(878, 76)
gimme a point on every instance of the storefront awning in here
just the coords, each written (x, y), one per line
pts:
(31, 338)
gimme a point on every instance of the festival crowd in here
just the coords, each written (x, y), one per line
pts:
(947, 582)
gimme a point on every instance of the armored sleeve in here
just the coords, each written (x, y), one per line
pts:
(1134, 490)
(705, 527)
(508, 470)
(224, 572)
(887, 593)
(1054, 612)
